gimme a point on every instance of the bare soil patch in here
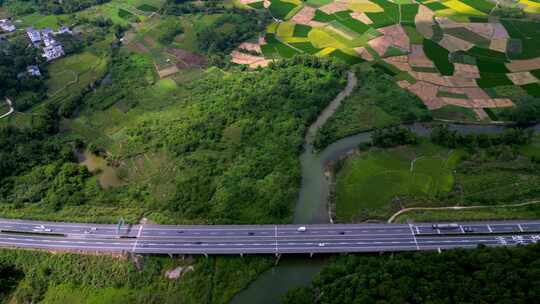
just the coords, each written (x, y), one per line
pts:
(250, 60)
(336, 6)
(187, 59)
(417, 57)
(521, 78)
(524, 65)
(304, 16)
(424, 21)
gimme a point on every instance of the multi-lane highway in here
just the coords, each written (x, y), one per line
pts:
(262, 239)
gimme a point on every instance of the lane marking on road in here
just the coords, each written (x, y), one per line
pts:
(276, 237)
(138, 236)
(414, 237)
(520, 228)
(489, 228)
(461, 228)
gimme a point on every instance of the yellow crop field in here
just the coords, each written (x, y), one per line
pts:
(285, 29)
(322, 39)
(325, 52)
(364, 6)
(295, 2)
(531, 7)
(462, 8)
(294, 39)
(272, 28)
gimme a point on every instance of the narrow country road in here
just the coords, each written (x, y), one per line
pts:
(405, 210)
(11, 110)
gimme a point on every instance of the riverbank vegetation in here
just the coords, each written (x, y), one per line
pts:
(485, 275)
(376, 102)
(448, 169)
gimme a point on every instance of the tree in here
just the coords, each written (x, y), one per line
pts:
(392, 137)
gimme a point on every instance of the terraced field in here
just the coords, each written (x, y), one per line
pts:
(455, 53)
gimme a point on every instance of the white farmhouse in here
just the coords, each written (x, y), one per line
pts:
(6, 25)
(53, 51)
(34, 35)
(33, 70)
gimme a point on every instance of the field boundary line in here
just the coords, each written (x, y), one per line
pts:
(405, 210)
(76, 79)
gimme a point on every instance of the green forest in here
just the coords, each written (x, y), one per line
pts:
(484, 275)
(40, 277)
(49, 6)
(236, 161)
(148, 88)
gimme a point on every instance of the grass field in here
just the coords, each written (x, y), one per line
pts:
(69, 76)
(376, 183)
(66, 71)
(41, 21)
(368, 183)
(451, 112)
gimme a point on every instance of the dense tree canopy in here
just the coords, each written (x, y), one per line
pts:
(236, 144)
(392, 137)
(486, 275)
(15, 83)
(444, 136)
(50, 6)
(229, 30)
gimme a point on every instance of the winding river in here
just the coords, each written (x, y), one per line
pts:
(312, 205)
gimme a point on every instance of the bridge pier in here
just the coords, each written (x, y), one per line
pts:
(278, 256)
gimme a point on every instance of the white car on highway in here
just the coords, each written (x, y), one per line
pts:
(301, 229)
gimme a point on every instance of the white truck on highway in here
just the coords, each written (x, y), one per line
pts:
(445, 226)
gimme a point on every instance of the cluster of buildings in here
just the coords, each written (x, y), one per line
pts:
(6, 25)
(44, 39)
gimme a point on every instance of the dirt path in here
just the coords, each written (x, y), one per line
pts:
(11, 110)
(405, 210)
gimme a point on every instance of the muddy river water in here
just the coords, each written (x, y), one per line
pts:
(107, 175)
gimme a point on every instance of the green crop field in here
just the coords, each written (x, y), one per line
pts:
(301, 30)
(70, 75)
(408, 13)
(280, 9)
(439, 56)
(375, 183)
(451, 112)
(367, 184)
(347, 30)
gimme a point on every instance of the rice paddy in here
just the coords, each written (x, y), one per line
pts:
(434, 45)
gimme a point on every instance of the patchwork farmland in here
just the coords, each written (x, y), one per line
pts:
(453, 54)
